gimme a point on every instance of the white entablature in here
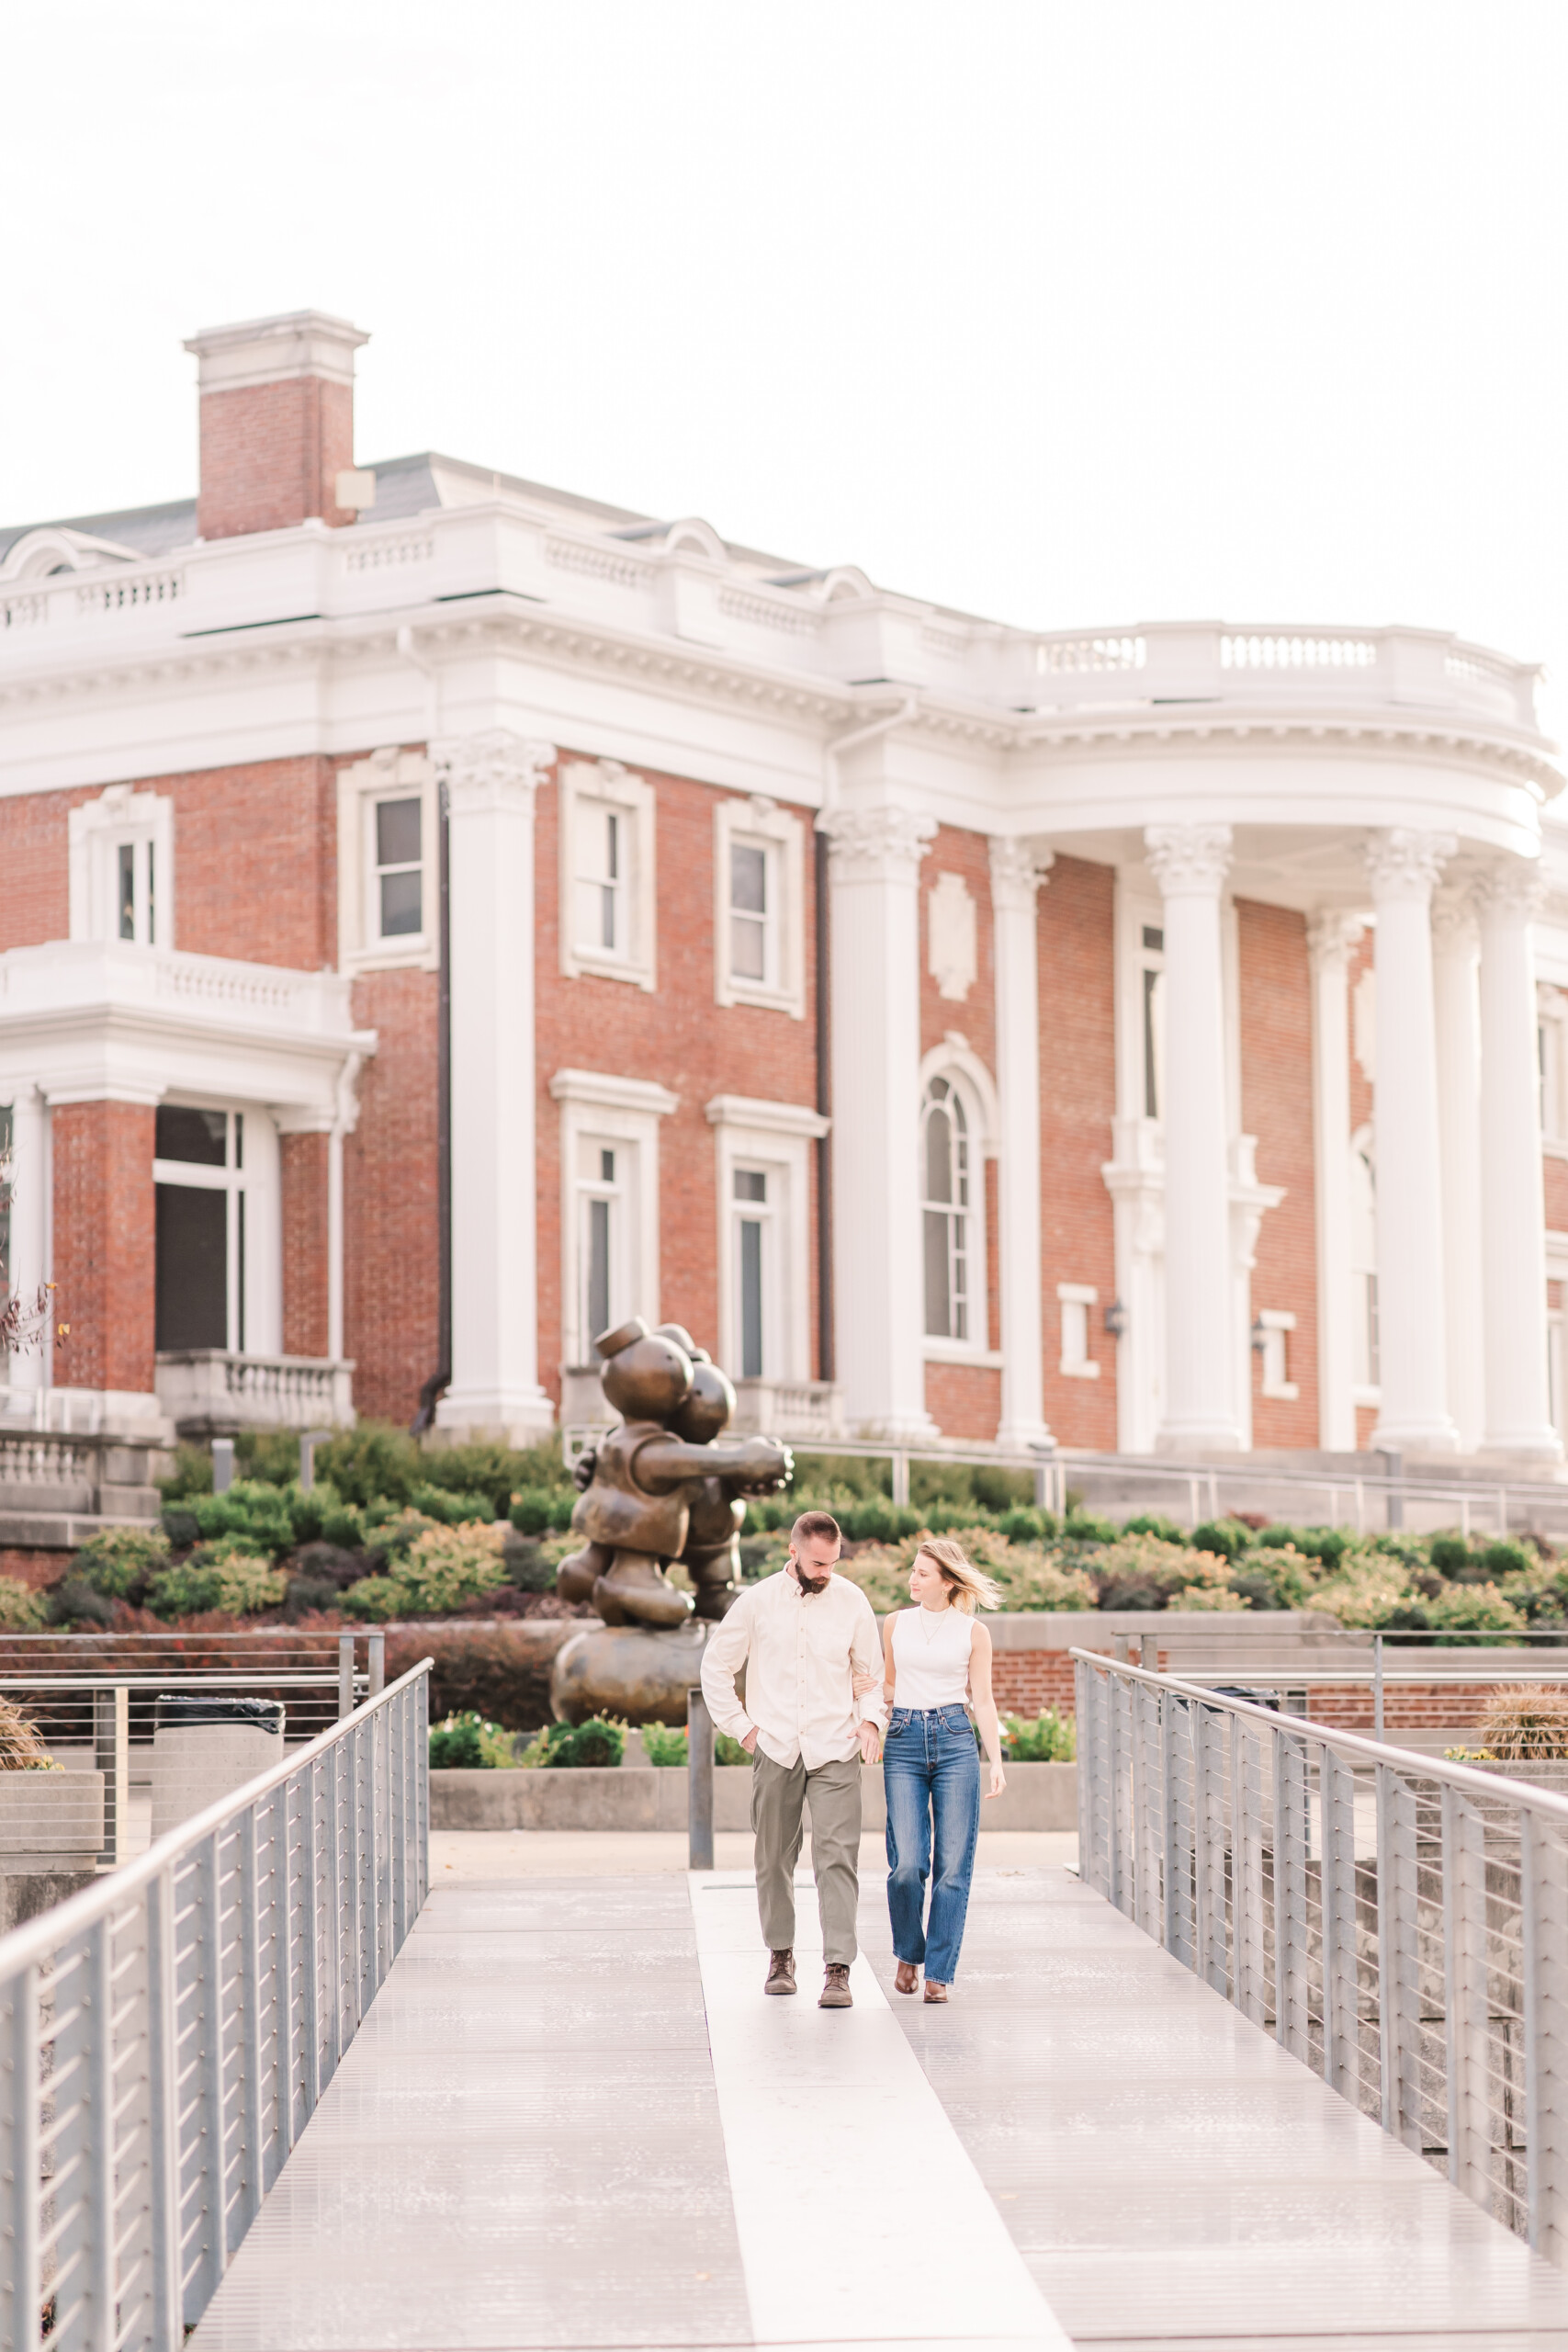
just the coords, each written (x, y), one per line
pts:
(658, 645)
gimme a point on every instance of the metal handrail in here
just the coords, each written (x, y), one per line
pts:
(166, 2034)
(1397, 1920)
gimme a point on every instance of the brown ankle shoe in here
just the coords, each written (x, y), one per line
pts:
(935, 1992)
(781, 1972)
(905, 1976)
(836, 1992)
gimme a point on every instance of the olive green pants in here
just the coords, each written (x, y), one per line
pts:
(778, 1795)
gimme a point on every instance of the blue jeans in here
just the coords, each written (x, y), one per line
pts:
(931, 1767)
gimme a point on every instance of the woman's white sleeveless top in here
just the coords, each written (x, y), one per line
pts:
(930, 1656)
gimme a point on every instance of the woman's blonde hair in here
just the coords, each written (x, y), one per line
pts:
(969, 1587)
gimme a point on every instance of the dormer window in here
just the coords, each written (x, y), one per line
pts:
(121, 868)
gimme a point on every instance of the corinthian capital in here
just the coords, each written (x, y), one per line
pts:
(479, 773)
(876, 844)
(1018, 869)
(1404, 863)
(1330, 937)
(1453, 919)
(1188, 861)
(1510, 894)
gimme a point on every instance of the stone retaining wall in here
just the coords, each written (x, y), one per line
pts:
(629, 1796)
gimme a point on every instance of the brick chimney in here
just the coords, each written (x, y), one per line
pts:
(276, 421)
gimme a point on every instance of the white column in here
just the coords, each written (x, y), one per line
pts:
(26, 1270)
(1455, 949)
(1330, 938)
(489, 782)
(1412, 1336)
(878, 1305)
(1518, 1417)
(1189, 862)
(1018, 868)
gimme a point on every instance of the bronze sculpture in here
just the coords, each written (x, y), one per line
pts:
(660, 1486)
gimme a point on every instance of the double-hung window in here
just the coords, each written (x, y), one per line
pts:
(122, 867)
(602, 1173)
(947, 1175)
(389, 855)
(603, 926)
(1151, 984)
(396, 842)
(758, 908)
(755, 1256)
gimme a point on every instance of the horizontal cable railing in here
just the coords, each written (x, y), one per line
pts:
(1399, 1923)
(166, 2034)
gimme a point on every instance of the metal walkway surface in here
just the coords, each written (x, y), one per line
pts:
(569, 2120)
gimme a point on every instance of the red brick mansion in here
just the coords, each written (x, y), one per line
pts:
(444, 916)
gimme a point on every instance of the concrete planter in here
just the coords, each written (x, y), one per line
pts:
(629, 1796)
(51, 1829)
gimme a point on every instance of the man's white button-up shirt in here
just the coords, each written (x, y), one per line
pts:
(800, 1651)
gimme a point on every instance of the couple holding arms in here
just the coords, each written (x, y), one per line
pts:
(819, 1686)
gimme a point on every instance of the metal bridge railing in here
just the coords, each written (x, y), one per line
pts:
(165, 2034)
(1398, 1922)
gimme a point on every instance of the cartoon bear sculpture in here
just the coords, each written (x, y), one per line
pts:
(636, 1514)
(711, 1554)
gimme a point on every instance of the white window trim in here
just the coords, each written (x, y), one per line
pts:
(1272, 1319)
(954, 1060)
(1077, 1294)
(610, 786)
(624, 1110)
(762, 820)
(777, 1136)
(387, 774)
(96, 830)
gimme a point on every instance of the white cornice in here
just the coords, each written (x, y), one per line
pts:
(608, 1092)
(768, 1118)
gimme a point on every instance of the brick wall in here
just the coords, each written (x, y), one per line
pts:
(104, 1244)
(256, 862)
(1275, 1106)
(1078, 1103)
(391, 1268)
(271, 455)
(679, 1037)
(1554, 1174)
(304, 1185)
(964, 1399)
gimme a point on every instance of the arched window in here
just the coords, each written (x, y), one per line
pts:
(946, 1180)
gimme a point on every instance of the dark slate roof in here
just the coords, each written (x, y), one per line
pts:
(155, 530)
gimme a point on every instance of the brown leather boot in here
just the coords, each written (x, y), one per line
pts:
(781, 1972)
(836, 1992)
(905, 1976)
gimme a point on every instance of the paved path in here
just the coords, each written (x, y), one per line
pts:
(570, 2121)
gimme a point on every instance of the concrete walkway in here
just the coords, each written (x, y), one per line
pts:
(571, 2121)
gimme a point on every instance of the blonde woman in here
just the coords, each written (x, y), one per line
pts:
(936, 1656)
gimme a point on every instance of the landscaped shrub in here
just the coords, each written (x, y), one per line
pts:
(256, 1513)
(561, 1746)
(217, 1576)
(1366, 1588)
(1275, 1578)
(1523, 1722)
(1225, 1537)
(467, 1742)
(1027, 1525)
(119, 1561)
(22, 1609)
(1149, 1523)
(1141, 1572)
(1080, 1527)
(536, 1510)
(665, 1744)
(1050, 1738)
(1473, 1607)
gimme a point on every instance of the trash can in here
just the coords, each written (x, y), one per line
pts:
(204, 1746)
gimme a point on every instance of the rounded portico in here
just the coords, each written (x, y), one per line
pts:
(1385, 789)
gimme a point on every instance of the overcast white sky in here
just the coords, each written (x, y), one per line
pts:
(1067, 314)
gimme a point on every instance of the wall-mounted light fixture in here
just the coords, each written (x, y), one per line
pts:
(1116, 1319)
(1259, 1334)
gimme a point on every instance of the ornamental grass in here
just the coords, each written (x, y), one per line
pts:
(1525, 1723)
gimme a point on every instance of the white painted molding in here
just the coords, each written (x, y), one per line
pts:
(96, 832)
(610, 1092)
(953, 950)
(605, 783)
(956, 1057)
(772, 1118)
